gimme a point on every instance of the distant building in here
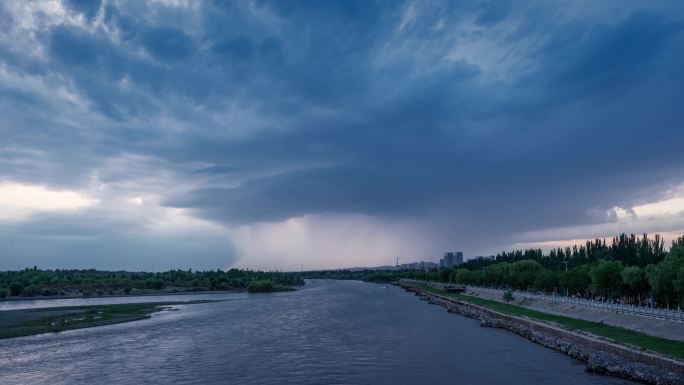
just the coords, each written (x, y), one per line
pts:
(422, 265)
(487, 258)
(451, 259)
(418, 266)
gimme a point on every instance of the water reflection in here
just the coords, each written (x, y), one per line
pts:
(326, 333)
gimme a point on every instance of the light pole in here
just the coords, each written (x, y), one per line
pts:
(567, 294)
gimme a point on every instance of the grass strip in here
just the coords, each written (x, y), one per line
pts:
(643, 341)
(25, 322)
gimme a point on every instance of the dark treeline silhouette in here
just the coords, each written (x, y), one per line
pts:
(629, 269)
(631, 250)
(37, 282)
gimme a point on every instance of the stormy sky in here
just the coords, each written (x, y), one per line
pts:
(322, 134)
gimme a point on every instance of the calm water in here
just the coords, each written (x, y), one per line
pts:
(329, 332)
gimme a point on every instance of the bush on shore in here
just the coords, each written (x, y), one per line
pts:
(262, 286)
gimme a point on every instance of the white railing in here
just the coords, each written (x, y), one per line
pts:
(656, 312)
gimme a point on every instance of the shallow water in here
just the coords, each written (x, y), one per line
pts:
(59, 302)
(329, 332)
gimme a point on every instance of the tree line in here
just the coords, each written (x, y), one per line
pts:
(628, 269)
(36, 282)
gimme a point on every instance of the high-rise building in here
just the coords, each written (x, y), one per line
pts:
(451, 259)
(459, 258)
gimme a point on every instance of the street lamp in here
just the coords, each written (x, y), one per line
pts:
(565, 261)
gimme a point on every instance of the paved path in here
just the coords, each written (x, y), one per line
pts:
(673, 330)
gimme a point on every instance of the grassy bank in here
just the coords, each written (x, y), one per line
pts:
(266, 286)
(24, 322)
(660, 345)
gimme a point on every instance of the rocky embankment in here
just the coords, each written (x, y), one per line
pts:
(601, 356)
(662, 328)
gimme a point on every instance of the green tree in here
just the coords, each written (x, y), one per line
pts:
(665, 277)
(156, 284)
(606, 278)
(523, 273)
(635, 279)
(15, 288)
(498, 274)
(31, 290)
(678, 284)
(444, 274)
(546, 280)
(576, 280)
(464, 276)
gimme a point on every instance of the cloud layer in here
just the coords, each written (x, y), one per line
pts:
(431, 125)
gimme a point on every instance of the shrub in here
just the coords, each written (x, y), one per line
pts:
(32, 290)
(508, 296)
(261, 286)
(157, 284)
(16, 288)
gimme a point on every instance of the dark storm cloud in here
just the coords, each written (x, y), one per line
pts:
(609, 58)
(502, 181)
(71, 46)
(88, 8)
(492, 12)
(166, 43)
(237, 48)
(496, 117)
(335, 189)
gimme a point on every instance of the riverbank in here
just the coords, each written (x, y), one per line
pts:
(586, 341)
(25, 322)
(151, 293)
(159, 293)
(667, 329)
(672, 348)
(38, 283)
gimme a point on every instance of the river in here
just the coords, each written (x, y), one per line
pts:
(328, 332)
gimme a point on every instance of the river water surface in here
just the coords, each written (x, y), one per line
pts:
(328, 332)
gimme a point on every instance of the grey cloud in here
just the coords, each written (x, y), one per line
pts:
(88, 8)
(167, 43)
(69, 46)
(238, 47)
(492, 12)
(334, 189)
(329, 107)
